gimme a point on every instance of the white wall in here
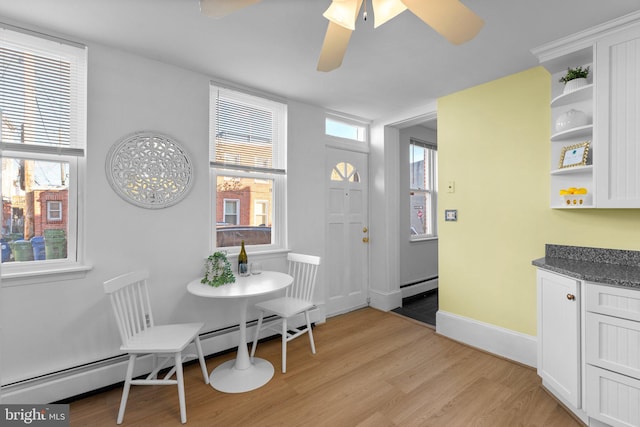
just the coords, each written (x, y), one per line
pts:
(419, 259)
(57, 325)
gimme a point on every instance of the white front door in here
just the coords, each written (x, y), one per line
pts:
(347, 255)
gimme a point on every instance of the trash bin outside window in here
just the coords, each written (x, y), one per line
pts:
(22, 250)
(37, 242)
(55, 247)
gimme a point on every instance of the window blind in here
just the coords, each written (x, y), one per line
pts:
(42, 94)
(247, 132)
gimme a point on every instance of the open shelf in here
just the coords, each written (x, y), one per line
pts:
(580, 131)
(560, 206)
(584, 93)
(573, 170)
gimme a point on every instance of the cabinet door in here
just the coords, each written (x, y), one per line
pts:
(616, 151)
(559, 335)
(613, 398)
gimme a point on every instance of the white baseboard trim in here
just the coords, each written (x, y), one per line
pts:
(503, 342)
(385, 301)
(419, 288)
(93, 376)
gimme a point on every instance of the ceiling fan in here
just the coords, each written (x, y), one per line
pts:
(450, 18)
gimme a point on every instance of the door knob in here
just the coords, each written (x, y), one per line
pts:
(365, 229)
(571, 297)
(365, 240)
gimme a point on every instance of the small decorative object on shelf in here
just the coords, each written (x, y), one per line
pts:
(218, 270)
(574, 155)
(573, 196)
(243, 261)
(571, 119)
(574, 78)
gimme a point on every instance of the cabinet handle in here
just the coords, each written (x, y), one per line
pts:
(571, 297)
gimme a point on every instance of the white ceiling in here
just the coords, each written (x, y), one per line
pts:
(273, 46)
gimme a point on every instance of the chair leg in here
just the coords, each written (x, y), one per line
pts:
(180, 379)
(203, 365)
(284, 345)
(255, 338)
(127, 387)
(154, 362)
(310, 332)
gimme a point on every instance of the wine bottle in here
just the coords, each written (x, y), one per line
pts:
(243, 261)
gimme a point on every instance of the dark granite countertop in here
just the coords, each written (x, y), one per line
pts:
(605, 266)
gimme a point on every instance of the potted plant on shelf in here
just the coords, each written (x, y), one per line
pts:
(574, 78)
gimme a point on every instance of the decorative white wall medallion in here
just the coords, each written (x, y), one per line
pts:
(149, 170)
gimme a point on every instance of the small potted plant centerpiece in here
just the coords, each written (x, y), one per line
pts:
(218, 270)
(574, 78)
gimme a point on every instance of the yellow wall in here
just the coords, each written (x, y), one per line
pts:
(493, 142)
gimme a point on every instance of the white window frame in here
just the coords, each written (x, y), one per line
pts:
(58, 211)
(360, 126)
(72, 267)
(225, 202)
(431, 191)
(264, 214)
(277, 175)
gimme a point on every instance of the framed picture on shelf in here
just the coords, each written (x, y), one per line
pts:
(574, 155)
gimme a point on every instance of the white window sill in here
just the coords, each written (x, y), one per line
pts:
(258, 252)
(423, 239)
(44, 274)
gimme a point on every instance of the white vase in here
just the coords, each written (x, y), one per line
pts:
(574, 84)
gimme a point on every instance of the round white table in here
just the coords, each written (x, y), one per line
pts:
(242, 374)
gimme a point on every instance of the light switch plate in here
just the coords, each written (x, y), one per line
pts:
(451, 215)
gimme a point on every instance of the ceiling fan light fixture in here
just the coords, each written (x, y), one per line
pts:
(343, 13)
(384, 10)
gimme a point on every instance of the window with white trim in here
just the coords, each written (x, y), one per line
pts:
(423, 185)
(43, 139)
(247, 158)
(260, 213)
(344, 128)
(231, 209)
(54, 210)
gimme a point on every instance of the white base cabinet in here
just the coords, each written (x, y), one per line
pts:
(589, 348)
(613, 354)
(559, 336)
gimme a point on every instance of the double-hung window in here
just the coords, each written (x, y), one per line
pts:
(247, 158)
(423, 185)
(43, 137)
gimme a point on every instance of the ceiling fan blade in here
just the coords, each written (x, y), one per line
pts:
(220, 8)
(334, 47)
(450, 18)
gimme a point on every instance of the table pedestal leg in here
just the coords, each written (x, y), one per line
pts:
(241, 374)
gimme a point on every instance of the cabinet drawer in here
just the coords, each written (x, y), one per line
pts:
(614, 301)
(613, 343)
(612, 398)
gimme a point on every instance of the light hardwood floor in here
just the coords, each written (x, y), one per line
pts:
(372, 369)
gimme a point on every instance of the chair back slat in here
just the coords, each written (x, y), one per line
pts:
(303, 269)
(129, 295)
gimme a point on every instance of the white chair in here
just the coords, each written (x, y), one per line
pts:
(129, 296)
(298, 300)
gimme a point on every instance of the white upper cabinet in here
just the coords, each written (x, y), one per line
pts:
(611, 104)
(617, 83)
